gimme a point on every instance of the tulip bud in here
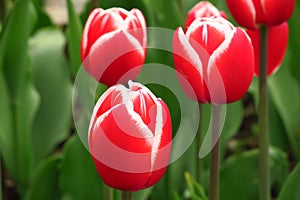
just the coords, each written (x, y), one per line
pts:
(130, 137)
(203, 9)
(216, 58)
(113, 44)
(277, 45)
(253, 13)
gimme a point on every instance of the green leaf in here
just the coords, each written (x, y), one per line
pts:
(233, 120)
(24, 112)
(196, 190)
(43, 19)
(285, 92)
(239, 174)
(143, 194)
(278, 136)
(23, 100)
(166, 14)
(74, 31)
(7, 147)
(52, 80)
(291, 188)
(45, 181)
(13, 44)
(79, 178)
(277, 130)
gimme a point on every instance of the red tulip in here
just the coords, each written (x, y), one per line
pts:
(113, 44)
(203, 9)
(253, 13)
(277, 44)
(130, 137)
(215, 58)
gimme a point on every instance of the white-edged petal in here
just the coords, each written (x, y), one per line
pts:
(87, 27)
(189, 50)
(118, 89)
(158, 133)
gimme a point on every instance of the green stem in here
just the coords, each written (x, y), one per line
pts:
(127, 195)
(215, 154)
(263, 119)
(199, 164)
(108, 192)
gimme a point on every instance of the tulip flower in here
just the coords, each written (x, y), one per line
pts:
(130, 137)
(203, 9)
(213, 56)
(113, 45)
(277, 44)
(254, 13)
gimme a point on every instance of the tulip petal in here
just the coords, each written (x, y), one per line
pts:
(136, 25)
(277, 11)
(99, 23)
(208, 34)
(85, 39)
(113, 96)
(189, 66)
(243, 12)
(144, 104)
(236, 67)
(202, 9)
(277, 45)
(115, 57)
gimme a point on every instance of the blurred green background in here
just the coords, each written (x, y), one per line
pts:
(42, 157)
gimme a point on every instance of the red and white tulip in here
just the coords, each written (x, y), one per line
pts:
(130, 137)
(216, 58)
(254, 13)
(113, 45)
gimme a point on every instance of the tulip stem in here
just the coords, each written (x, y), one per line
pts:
(263, 119)
(199, 164)
(127, 195)
(108, 192)
(215, 154)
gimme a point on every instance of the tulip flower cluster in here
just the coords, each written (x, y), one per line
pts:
(130, 132)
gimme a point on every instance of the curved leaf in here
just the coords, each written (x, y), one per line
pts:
(13, 44)
(45, 181)
(239, 175)
(74, 30)
(6, 132)
(291, 188)
(285, 92)
(79, 178)
(52, 80)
